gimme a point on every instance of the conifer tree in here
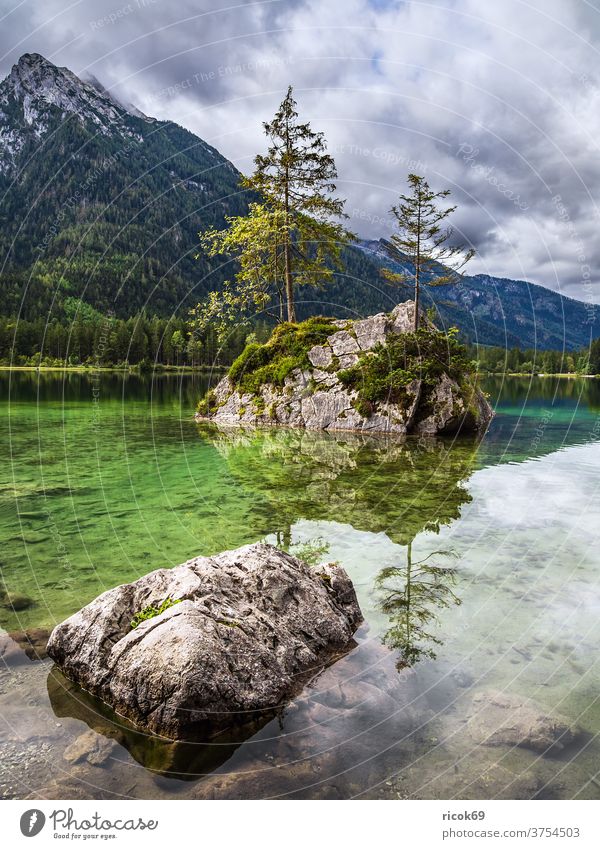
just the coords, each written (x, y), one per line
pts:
(291, 237)
(297, 176)
(424, 241)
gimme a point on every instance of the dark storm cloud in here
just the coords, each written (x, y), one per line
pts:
(497, 102)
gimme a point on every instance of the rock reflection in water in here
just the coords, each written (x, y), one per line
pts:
(187, 760)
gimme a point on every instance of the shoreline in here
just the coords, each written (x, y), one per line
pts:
(120, 369)
(571, 375)
(221, 369)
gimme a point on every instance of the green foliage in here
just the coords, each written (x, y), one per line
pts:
(312, 551)
(363, 407)
(101, 341)
(97, 231)
(290, 238)
(207, 404)
(255, 242)
(297, 179)
(497, 360)
(152, 610)
(411, 595)
(383, 374)
(258, 405)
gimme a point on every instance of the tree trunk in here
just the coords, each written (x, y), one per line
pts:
(418, 268)
(289, 286)
(416, 301)
(408, 593)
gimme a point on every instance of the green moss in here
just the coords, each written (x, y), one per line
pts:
(363, 407)
(273, 411)
(384, 373)
(286, 350)
(207, 405)
(258, 405)
(311, 388)
(153, 610)
(334, 364)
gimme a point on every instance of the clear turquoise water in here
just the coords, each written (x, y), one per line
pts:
(95, 493)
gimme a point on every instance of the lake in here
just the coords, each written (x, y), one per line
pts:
(106, 478)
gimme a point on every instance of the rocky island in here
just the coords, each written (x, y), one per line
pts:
(216, 642)
(372, 375)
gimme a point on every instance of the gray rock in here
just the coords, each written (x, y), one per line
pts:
(249, 626)
(15, 601)
(324, 377)
(454, 409)
(323, 409)
(320, 356)
(503, 719)
(372, 331)
(348, 360)
(91, 747)
(402, 318)
(315, 398)
(20, 647)
(343, 342)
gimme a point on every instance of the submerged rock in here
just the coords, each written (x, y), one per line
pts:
(503, 719)
(313, 389)
(90, 747)
(250, 626)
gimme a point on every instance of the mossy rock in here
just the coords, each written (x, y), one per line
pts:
(286, 350)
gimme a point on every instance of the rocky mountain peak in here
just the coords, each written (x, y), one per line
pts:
(37, 92)
(35, 84)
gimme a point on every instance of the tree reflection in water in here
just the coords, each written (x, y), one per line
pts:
(411, 596)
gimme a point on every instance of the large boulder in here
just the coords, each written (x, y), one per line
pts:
(249, 627)
(316, 396)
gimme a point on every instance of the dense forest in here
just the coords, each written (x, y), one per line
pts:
(496, 360)
(100, 342)
(92, 339)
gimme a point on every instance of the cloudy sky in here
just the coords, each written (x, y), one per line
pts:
(496, 101)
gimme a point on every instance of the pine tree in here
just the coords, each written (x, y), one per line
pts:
(424, 241)
(296, 178)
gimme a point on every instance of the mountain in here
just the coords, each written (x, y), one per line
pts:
(501, 311)
(101, 205)
(99, 202)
